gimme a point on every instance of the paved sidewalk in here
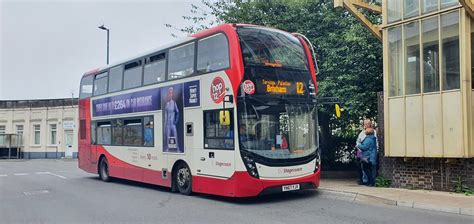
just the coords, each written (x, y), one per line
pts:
(421, 199)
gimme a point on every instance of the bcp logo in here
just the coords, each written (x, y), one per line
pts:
(248, 87)
(217, 90)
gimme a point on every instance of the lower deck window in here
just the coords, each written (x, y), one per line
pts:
(218, 136)
(137, 131)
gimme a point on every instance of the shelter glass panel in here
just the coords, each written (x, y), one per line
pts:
(411, 8)
(430, 38)
(450, 51)
(412, 58)
(395, 53)
(394, 10)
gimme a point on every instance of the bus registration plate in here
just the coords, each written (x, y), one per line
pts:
(292, 187)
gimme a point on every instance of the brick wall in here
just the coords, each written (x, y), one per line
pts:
(421, 173)
(427, 173)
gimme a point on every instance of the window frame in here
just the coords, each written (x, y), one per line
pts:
(228, 51)
(106, 77)
(51, 130)
(147, 57)
(140, 60)
(34, 134)
(232, 128)
(122, 119)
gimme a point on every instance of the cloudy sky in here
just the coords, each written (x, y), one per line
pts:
(47, 45)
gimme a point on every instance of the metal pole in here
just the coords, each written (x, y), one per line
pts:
(107, 46)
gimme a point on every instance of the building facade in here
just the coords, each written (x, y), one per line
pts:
(428, 94)
(42, 128)
(428, 99)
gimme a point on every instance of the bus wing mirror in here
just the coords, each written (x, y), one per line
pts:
(224, 117)
(338, 110)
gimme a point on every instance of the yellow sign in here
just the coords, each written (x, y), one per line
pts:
(272, 86)
(299, 88)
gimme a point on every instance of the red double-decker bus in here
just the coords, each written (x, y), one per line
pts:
(227, 111)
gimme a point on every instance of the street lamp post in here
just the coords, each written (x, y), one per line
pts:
(106, 29)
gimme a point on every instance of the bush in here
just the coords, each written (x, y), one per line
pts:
(381, 181)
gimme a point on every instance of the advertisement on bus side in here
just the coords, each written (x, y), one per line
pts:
(172, 106)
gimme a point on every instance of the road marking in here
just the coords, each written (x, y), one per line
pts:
(42, 173)
(20, 174)
(3, 175)
(36, 192)
(57, 175)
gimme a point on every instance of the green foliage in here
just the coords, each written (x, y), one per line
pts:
(349, 57)
(460, 187)
(381, 181)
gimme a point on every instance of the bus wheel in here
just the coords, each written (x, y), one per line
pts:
(183, 179)
(104, 170)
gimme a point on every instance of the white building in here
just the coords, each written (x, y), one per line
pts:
(48, 128)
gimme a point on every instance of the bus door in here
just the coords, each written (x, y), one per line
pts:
(217, 155)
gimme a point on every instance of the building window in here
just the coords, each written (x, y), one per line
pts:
(86, 87)
(395, 61)
(412, 58)
(115, 79)
(213, 54)
(103, 133)
(100, 84)
(450, 51)
(181, 61)
(2, 135)
(394, 10)
(412, 8)
(53, 131)
(217, 136)
(448, 3)
(155, 69)
(132, 76)
(430, 6)
(37, 134)
(430, 39)
(19, 132)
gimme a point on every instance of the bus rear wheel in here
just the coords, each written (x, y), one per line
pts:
(183, 179)
(104, 170)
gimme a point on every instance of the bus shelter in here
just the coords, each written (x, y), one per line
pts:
(10, 146)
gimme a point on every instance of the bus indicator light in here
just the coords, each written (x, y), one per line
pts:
(217, 90)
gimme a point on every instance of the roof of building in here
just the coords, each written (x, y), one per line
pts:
(9, 104)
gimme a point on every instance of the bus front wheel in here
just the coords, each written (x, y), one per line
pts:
(183, 179)
(104, 170)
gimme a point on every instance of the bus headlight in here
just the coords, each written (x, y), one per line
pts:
(250, 166)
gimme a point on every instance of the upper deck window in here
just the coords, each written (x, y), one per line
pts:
(100, 84)
(115, 79)
(271, 48)
(86, 87)
(213, 54)
(181, 61)
(132, 76)
(155, 69)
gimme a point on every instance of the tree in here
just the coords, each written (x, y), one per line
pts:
(349, 57)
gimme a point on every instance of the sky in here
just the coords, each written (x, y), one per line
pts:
(46, 46)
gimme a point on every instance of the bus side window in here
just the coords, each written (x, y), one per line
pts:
(103, 133)
(213, 54)
(132, 75)
(100, 84)
(181, 61)
(217, 136)
(117, 130)
(148, 133)
(93, 133)
(155, 69)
